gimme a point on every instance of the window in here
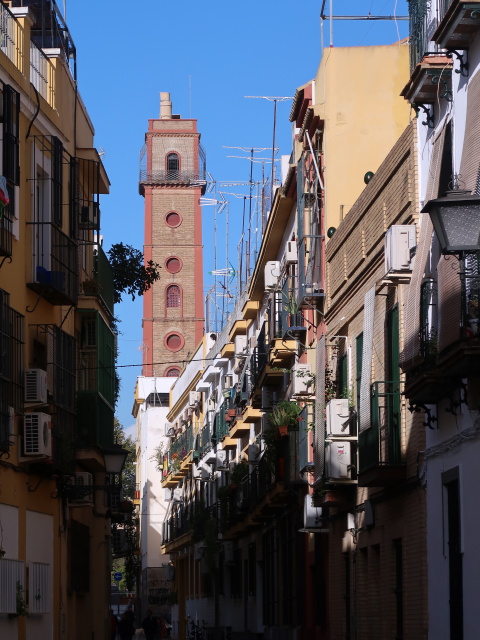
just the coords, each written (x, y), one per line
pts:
(398, 590)
(10, 119)
(39, 588)
(79, 557)
(173, 219)
(359, 354)
(11, 575)
(173, 165)
(173, 372)
(173, 265)
(453, 537)
(57, 181)
(174, 341)
(173, 296)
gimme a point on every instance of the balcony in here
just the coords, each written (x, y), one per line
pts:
(459, 335)
(190, 171)
(379, 445)
(94, 420)
(459, 26)
(101, 284)
(11, 369)
(261, 495)
(204, 442)
(431, 79)
(54, 262)
(6, 234)
(95, 380)
(258, 363)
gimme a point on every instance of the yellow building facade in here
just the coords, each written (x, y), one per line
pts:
(57, 381)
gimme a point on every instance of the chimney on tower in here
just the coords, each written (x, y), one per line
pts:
(165, 106)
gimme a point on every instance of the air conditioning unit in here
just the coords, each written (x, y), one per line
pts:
(228, 381)
(312, 516)
(301, 375)
(338, 460)
(400, 242)
(82, 479)
(194, 398)
(252, 342)
(211, 404)
(221, 461)
(338, 417)
(36, 386)
(291, 255)
(167, 496)
(272, 274)
(177, 495)
(202, 474)
(240, 342)
(37, 436)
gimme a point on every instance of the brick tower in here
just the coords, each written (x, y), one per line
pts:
(172, 179)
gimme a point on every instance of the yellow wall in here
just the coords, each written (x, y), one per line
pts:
(357, 94)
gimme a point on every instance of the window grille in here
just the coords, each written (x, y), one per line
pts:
(39, 588)
(173, 296)
(173, 163)
(11, 575)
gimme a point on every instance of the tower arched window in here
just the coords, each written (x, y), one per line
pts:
(173, 296)
(173, 165)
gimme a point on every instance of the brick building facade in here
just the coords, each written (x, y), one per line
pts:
(172, 180)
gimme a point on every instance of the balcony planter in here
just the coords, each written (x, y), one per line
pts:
(285, 416)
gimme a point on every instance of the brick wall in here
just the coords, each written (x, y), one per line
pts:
(354, 263)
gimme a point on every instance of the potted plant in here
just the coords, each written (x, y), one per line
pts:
(285, 415)
(293, 308)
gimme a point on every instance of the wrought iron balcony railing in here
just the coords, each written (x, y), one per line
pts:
(175, 176)
(380, 444)
(11, 368)
(5, 234)
(55, 269)
(204, 440)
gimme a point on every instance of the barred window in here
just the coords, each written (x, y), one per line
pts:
(173, 163)
(173, 296)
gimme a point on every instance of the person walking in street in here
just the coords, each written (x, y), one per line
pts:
(125, 627)
(150, 625)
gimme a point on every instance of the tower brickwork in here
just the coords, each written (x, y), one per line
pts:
(172, 179)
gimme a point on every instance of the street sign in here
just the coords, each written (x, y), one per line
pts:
(117, 576)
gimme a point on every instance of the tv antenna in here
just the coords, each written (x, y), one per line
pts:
(369, 16)
(273, 99)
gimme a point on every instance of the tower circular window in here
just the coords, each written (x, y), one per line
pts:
(173, 219)
(173, 265)
(174, 341)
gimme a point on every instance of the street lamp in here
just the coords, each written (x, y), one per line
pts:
(456, 220)
(76, 489)
(115, 459)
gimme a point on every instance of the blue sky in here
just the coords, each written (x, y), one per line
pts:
(208, 56)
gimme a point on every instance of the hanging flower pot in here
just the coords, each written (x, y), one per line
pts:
(283, 430)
